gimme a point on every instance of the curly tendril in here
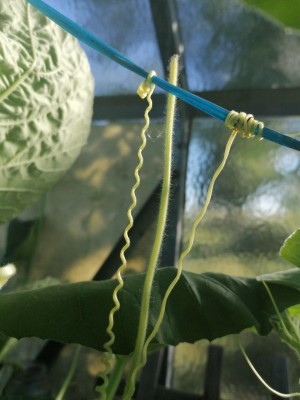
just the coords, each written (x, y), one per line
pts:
(186, 251)
(245, 125)
(145, 90)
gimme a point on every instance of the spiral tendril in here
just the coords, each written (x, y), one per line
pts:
(145, 90)
(185, 253)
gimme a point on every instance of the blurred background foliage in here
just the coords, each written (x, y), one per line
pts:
(286, 11)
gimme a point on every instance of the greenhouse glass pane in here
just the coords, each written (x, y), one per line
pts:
(126, 26)
(86, 211)
(255, 206)
(230, 45)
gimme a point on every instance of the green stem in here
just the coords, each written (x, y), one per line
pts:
(69, 377)
(115, 377)
(283, 326)
(162, 217)
(288, 331)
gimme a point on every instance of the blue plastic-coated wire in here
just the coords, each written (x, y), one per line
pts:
(86, 37)
(198, 102)
(201, 104)
(283, 140)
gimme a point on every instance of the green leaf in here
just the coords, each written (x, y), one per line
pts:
(290, 278)
(290, 250)
(294, 311)
(201, 306)
(278, 9)
(46, 96)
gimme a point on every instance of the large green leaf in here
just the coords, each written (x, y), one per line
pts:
(201, 306)
(46, 95)
(291, 248)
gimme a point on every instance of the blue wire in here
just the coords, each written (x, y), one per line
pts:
(87, 37)
(201, 104)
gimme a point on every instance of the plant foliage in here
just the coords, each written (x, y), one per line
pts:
(290, 250)
(201, 306)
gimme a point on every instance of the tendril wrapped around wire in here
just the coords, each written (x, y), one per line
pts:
(244, 124)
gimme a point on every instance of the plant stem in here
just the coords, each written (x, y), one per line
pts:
(162, 217)
(283, 326)
(115, 377)
(69, 377)
(286, 329)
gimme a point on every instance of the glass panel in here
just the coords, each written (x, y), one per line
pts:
(229, 45)
(86, 212)
(126, 26)
(255, 206)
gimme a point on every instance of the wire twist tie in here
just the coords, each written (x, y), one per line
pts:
(244, 124)
(146, 86)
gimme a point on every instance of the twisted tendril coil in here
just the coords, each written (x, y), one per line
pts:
(245, 124)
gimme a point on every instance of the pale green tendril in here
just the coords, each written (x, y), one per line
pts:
(245, 124)
(145, 90)
(286, 326)
(279, 394)
(291, 337)
(187, 250)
